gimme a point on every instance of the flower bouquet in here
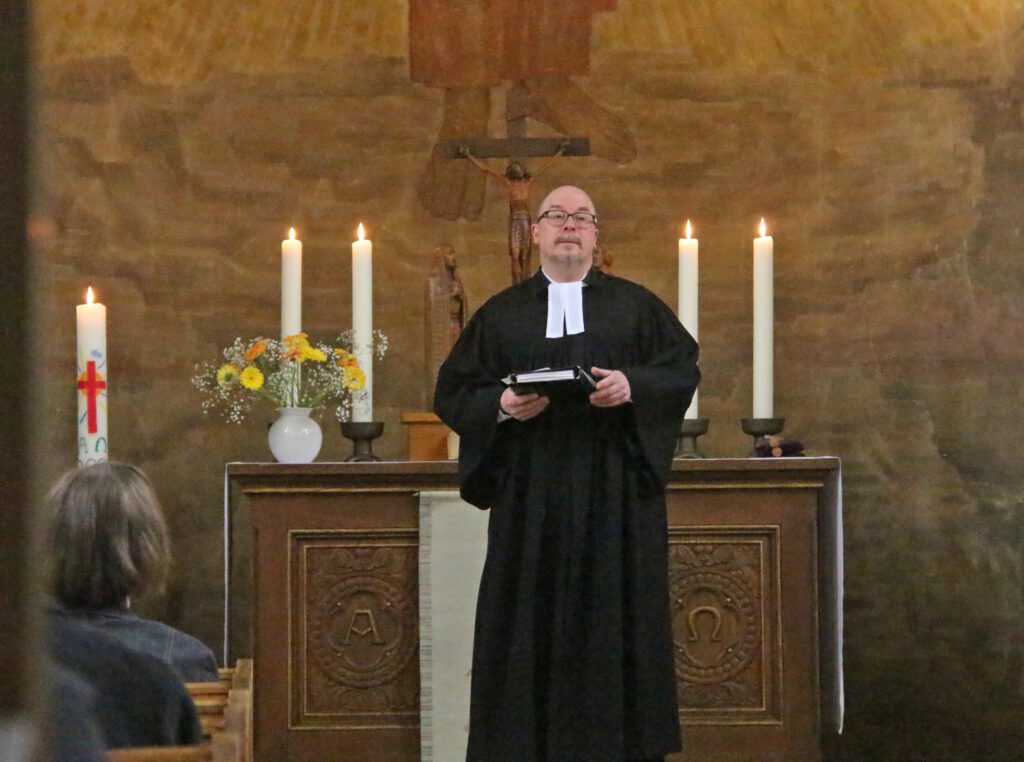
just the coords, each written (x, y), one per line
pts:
(292, 374)
(289, 373)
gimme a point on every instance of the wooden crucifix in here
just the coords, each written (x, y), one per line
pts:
(517, 147)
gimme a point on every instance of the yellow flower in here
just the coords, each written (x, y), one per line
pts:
(353, 378)
(300, 349)
(227, 374)
(255, 351)
(311, 353)
(252, 378)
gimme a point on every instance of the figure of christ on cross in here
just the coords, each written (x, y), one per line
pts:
(518, 181)
(91, 384)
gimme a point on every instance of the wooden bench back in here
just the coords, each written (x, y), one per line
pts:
(201, 753)
(225, 715)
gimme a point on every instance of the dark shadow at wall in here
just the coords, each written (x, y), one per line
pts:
(17, 624)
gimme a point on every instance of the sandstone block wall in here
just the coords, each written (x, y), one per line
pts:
(885, 149)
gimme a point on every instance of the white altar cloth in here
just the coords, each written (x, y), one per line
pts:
(453, 544)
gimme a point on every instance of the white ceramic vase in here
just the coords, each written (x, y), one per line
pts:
(295, 437)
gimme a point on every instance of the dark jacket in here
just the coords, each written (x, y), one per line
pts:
(139, 700)
(189, 657)
(72, 732)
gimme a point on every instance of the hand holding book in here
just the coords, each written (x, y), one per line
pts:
(613, 388)
(528, 394)
(564, 383)
(521, 407)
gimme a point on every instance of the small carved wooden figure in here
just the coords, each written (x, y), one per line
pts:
(446, 309)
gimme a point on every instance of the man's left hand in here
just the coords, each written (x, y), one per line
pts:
(612, 389)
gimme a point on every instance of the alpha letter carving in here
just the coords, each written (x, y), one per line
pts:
(370, 626)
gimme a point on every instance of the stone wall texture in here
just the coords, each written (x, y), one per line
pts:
(177, 141)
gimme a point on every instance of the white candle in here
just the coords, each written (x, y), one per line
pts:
(291, 285)
(91, 319)
(688, 294)
(764, 316)
(362, 322)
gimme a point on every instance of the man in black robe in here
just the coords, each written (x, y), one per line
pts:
(572, 656)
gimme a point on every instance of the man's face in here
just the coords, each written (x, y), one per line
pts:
(568, 244)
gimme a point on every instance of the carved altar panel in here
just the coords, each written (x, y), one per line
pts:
(354, 629)
(331, 562)
(724, 590)
(323, 579)
(744, 579)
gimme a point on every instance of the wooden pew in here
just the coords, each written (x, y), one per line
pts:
(200, 753)
(225, 715)
(240, 701)
(211, 699)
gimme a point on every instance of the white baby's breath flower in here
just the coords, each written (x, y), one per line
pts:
(295, 373)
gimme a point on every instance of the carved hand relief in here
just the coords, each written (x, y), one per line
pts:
(717, 591)
(360, 620)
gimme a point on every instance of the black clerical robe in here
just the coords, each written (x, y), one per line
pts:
(572, 657)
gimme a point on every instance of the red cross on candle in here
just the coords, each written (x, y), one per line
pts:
(91, 385)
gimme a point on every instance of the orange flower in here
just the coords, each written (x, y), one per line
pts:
(256, 350)
(346, 359)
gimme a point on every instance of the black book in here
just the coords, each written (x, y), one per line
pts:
(566, 383)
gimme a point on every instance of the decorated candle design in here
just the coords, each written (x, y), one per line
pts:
(93, 379)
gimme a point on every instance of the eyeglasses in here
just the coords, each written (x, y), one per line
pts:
(557, 217)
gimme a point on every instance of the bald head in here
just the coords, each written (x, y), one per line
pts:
(551, 200)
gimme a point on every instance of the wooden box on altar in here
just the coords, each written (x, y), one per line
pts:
(426, 436)
(322, 572)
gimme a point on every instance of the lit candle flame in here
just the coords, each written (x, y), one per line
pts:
(362, 233)
(291, 234)
(764, 229)
(689, 229)
(88, 295)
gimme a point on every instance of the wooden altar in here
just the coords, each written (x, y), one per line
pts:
(321, 576)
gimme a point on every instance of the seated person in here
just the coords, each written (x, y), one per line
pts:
(137, 699)
(108, 543)
(71, 727)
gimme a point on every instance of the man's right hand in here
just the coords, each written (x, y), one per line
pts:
(522, 407)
